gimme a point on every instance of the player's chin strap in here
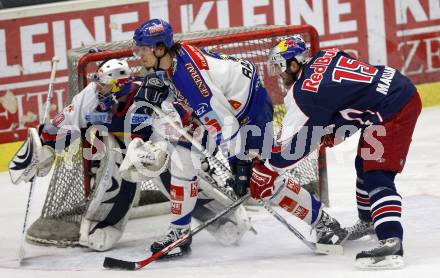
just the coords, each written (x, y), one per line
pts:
(158, 58)
(295, 75)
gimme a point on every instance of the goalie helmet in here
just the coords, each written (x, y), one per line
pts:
(112, 71)
(291, 48)
(153, 32)
(113, 81)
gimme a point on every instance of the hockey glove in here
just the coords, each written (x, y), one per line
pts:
(262, 180)
(153, 90)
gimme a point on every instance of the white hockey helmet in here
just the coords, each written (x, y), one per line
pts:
(112, 71)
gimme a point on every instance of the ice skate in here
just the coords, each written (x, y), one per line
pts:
(388, 255)
(173, 235)
(329, 231)
(360, 229)
(329, 235)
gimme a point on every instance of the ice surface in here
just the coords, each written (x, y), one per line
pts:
(274, 251)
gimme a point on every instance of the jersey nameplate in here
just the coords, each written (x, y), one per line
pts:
(385, 80)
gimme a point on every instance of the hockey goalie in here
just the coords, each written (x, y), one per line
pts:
(104, 106)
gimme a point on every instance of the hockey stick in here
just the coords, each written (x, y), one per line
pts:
(21, 250)
(316, 247)
(113, 263)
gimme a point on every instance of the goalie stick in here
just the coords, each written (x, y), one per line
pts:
(21, 250)
(112, 263)
(316, 247)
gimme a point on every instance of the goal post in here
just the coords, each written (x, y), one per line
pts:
(70, 185)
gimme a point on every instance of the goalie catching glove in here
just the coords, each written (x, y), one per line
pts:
(144, 160)
(31, 159)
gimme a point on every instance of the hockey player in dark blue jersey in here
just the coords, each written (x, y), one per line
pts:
(331, 96)
(222, 94)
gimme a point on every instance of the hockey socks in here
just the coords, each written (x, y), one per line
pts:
(386, 204)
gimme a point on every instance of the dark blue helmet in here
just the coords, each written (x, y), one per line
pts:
(293, 47)
(152, 32)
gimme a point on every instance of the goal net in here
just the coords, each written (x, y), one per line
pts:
(72, 181)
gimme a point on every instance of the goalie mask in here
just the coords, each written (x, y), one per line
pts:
(113, 81)
(292, 48)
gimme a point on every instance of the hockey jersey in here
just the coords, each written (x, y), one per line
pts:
(83, 112)
(336, 91)
(221, 90)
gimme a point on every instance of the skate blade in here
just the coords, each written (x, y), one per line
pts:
(329, 249)
(387, 262)
(176, 253)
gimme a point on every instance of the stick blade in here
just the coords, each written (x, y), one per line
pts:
(112, 263)
(329, 249)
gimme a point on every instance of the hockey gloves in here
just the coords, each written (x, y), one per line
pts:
(153, 89)
(262, 180)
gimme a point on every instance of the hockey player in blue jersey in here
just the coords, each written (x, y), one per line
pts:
(219, 92)
(331, 96)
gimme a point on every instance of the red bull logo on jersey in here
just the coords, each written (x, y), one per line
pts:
(319, 67)
(198, 80)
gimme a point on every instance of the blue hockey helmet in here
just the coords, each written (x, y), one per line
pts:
(290, 48)
(152, 32)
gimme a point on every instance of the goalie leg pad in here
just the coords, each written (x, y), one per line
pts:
(229, 229)
(30, 159)
(107, 214)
